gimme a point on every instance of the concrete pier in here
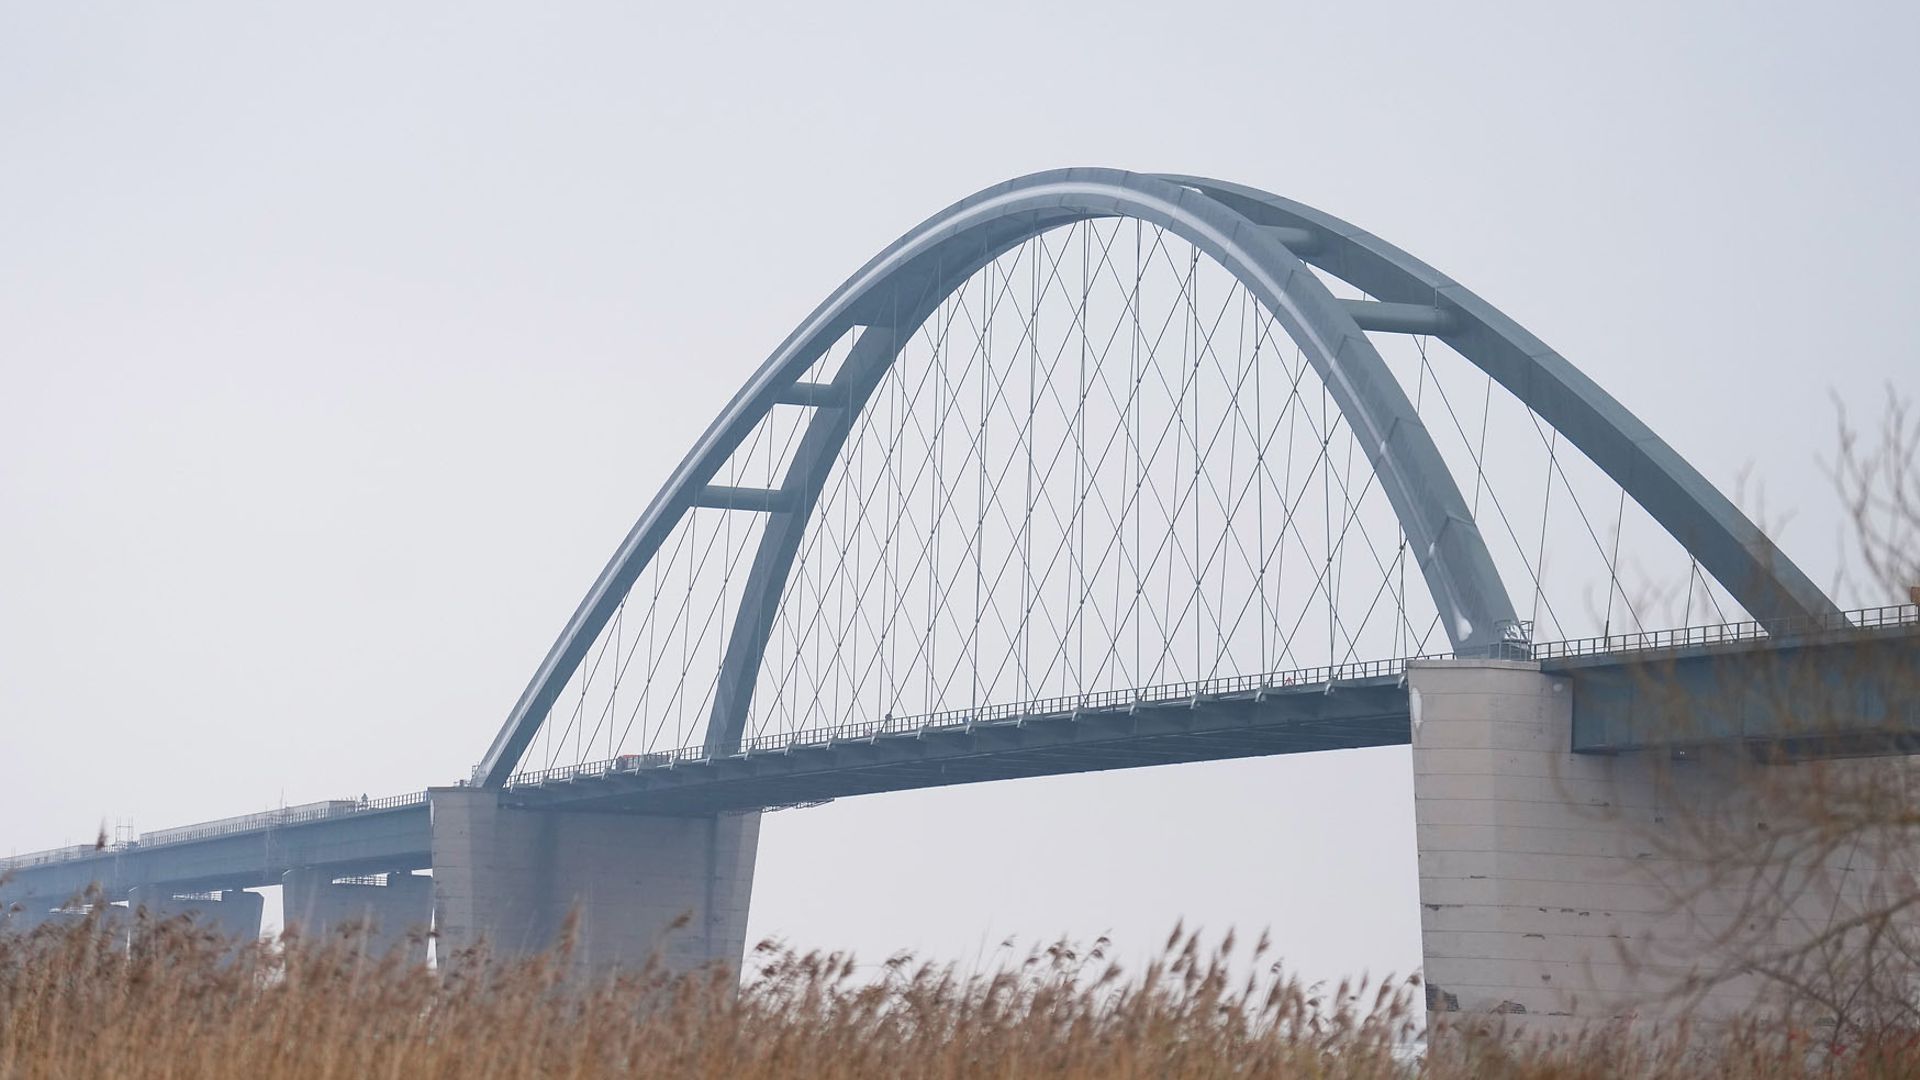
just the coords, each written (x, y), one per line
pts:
(636, 885)
(1564, 890)
(385, 915)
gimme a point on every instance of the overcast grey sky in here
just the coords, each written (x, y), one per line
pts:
(340, 343)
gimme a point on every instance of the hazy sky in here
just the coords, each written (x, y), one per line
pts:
(340, 343)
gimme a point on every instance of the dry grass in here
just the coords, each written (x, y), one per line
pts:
(75, 1001)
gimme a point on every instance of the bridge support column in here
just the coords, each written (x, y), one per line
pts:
(234, 913)
(1571, 889)
(386, 914)
(636, 885)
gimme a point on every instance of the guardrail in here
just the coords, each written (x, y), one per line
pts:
(186, 834)
(1876, 618)
(54, 856)
(283, 817)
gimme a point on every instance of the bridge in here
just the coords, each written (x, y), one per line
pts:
(1097, 470)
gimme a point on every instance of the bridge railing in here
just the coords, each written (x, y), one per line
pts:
(280, 818)
(1732, 633)
(265, 819)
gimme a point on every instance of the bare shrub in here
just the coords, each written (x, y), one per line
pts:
(1787, 825)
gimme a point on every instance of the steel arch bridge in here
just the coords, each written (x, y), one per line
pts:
(1090, 470)
(1087, 435)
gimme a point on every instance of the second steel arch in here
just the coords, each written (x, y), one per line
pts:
(1728, 544)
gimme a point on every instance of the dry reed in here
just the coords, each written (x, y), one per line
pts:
(83, 999)
(76, 1000)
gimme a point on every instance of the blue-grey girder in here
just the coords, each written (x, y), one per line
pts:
(899, 287)
(1727, 543)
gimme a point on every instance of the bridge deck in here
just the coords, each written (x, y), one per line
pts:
(1205, 726)
(392, 836)
(1868, 667)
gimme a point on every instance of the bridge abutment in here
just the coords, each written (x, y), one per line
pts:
(634, 886)
(1566, 889)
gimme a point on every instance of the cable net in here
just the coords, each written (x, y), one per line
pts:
(1100, 464)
